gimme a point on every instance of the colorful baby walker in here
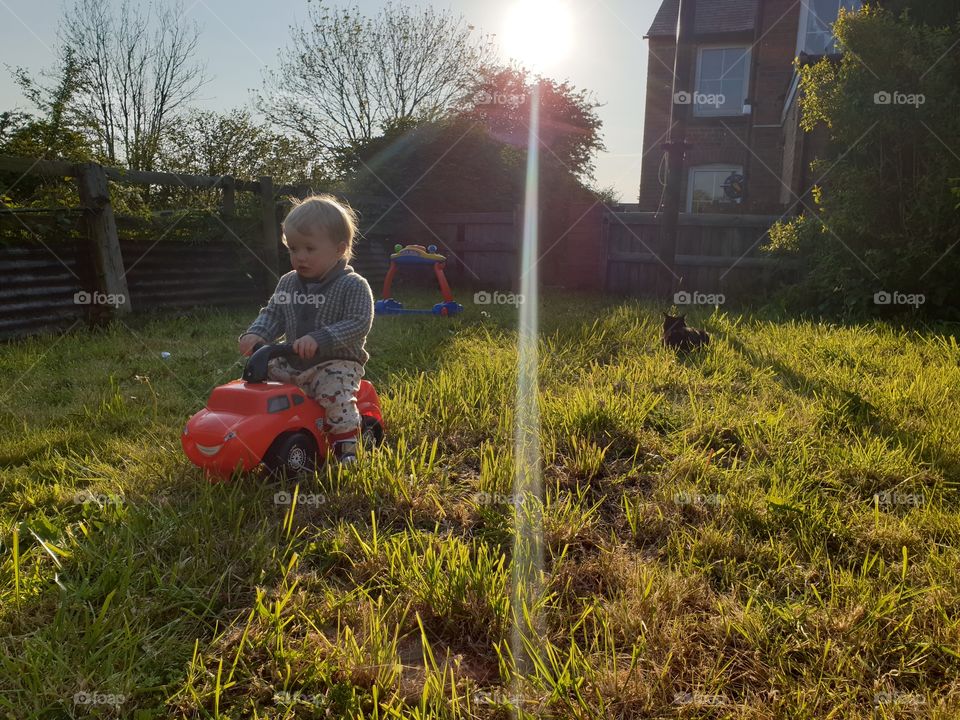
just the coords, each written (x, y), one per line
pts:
(417, 255)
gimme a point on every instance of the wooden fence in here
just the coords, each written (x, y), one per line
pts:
(63, 265)
(482, 249)
(715, 254)
(620, 252)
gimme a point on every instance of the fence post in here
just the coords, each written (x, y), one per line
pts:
(268, 221)
(516, 278)
(604, 248)
(228, 203)
(102, 229)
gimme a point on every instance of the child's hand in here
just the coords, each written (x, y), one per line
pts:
(248, 341)
(305, 347)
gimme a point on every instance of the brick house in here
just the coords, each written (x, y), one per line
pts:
(742, 114)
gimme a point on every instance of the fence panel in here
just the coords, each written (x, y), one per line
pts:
(40, 287)
(58, 265)
(482, 249)
(44, 264)
(715, 254)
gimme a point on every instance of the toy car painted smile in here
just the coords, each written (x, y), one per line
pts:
(254, 421)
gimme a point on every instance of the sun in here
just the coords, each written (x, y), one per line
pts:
(538, 33)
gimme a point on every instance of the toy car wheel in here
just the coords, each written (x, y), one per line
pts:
(293, 453)
(371, 432)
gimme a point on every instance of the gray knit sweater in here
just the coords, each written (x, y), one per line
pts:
(336, 311)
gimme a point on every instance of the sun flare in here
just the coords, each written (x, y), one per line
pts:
(538, 32)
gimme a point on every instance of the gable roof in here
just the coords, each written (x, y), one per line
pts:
(711, 17)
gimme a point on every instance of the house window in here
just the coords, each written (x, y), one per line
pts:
(705, 186)
(723, 76)
(816, 25)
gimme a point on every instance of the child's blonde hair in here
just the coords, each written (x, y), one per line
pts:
(324, 213)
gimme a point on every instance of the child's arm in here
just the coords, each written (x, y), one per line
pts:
(351, 331)
(269, 322)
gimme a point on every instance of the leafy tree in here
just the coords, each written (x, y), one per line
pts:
(937, 13)
(886, 219)
(11, 122)
(475, 159)
(47, 136)
(438, 166)
(51, 136)
(569, 126)
(234, 143)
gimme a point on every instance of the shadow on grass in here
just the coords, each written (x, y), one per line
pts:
(855, 413)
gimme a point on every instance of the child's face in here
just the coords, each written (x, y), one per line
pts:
(313, 254)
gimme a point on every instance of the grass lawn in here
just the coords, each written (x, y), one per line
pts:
(768, 529)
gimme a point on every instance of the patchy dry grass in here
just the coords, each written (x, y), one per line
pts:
(765, 530)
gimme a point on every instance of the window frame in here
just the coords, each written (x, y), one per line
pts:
(747, 51)
(709, 167)
(804, 21)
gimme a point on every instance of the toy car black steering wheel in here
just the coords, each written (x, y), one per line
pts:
(255, 369)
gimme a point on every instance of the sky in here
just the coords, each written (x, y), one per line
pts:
(600, 48)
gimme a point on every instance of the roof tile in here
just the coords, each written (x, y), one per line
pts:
(712, 16)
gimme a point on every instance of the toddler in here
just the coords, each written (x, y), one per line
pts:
(326, 310)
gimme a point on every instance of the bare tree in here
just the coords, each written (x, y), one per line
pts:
(136, 71)
(347, 76)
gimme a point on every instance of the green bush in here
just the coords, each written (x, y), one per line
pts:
(884, 217)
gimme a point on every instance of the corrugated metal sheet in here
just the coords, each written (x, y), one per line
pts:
(37, 289)
(171, 262)
(173, 274)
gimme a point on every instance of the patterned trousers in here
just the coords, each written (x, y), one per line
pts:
(333, 384)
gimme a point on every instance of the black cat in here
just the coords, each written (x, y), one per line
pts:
(680, 338)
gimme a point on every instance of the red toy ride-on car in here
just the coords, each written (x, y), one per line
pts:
(254, 420)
